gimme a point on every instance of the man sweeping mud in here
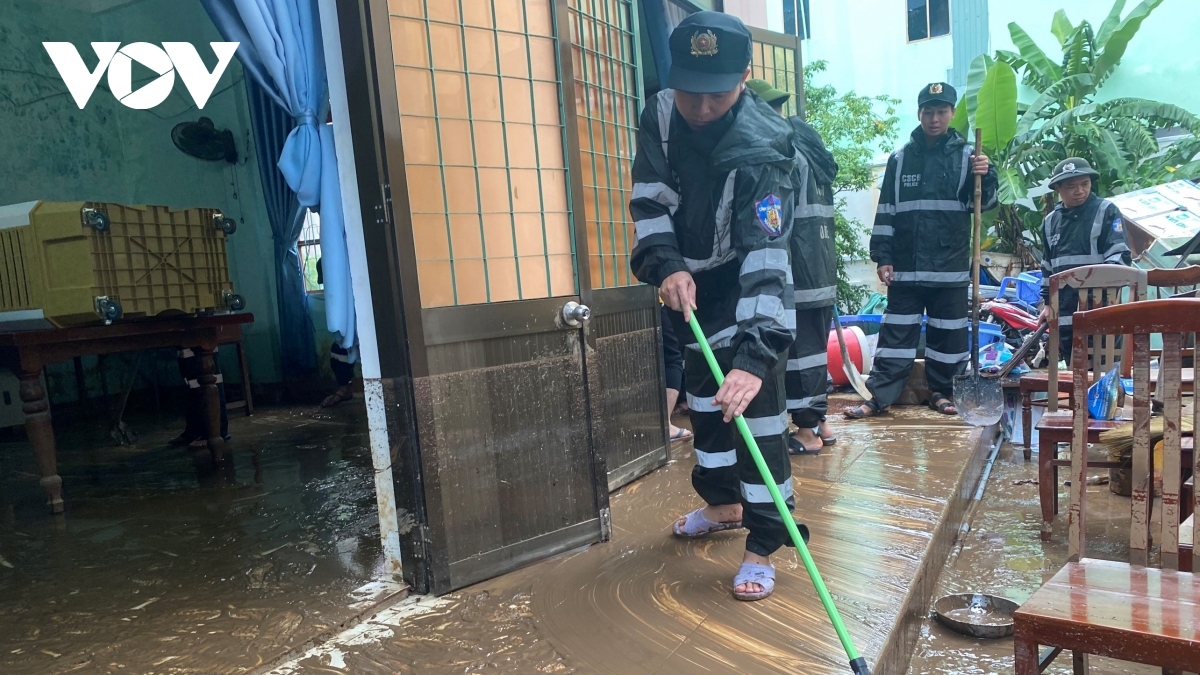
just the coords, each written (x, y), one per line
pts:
(922, 242)
(712, 204)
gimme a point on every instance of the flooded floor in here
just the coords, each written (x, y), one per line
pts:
(649, 603)
(1003, 554)
(163, 565)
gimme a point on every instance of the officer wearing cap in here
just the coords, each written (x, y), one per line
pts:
(814, 271)
(1083, 229)
(712, 205)
(921, 242)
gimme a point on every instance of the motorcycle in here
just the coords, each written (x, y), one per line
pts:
(1017, 324)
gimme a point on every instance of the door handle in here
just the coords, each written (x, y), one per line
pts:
(575, 314)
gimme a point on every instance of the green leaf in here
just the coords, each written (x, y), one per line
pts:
(1079, 55)
(1136, 138)
(1110, 23)
(1033, 55)
(1105, 149)
(1158, 115)
(964, 114)
(1061, 26)
(997, 111)
(1056, 95)
(1114, 46)
(1012, 185)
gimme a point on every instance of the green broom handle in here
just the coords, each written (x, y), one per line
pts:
(857, 663)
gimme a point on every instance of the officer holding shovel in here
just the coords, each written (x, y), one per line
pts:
(712, 205)
(922, 244)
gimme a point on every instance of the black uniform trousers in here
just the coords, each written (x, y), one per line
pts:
(672, 352)
(808, 367)
(725, 472)
(339, 363)
(191, 370)
(946, 340)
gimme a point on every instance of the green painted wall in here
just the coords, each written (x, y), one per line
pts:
(51, 150)
(1161, 63)
(873, 57)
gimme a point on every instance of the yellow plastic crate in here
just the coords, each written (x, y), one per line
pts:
(74, 263)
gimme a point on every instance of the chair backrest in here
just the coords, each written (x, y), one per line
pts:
(1176, 320)
(1166, 283)
(1098, 286)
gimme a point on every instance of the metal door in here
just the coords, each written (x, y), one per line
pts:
(624, 368)
(502, 394)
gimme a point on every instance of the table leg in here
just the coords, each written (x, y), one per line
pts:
(1047, 484)
(1079, 663)
(1027, 422)
(212, 404)
(246, 394)
(38, 427)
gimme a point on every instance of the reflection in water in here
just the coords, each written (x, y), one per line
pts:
(165, 562)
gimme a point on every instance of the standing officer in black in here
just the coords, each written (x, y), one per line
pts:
(1083, 229)
(922, 244)
(712, 206)
(814, 272)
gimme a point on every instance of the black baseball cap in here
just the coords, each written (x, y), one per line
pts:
(710, 52)
(937, 92)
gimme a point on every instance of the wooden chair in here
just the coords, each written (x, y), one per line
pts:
(1127, 611)
(1098, 286)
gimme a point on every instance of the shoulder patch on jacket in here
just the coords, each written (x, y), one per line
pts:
(770, 214)
(1118, 225)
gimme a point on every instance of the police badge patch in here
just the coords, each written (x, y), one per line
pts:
(770, 215)
(935, 89)
(1118, 225)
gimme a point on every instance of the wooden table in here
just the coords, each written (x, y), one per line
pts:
(28, 353)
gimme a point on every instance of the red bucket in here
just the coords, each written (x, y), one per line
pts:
(856, 347)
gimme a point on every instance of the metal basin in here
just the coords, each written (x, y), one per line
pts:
(976, 614)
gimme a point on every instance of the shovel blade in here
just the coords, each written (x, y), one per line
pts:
(979, 400)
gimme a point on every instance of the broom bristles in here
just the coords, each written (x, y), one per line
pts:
(1120, 440)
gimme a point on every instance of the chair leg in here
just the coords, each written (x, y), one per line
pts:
(1079, 663)
(1027, 657)
(1027, 423)
(1047, 485)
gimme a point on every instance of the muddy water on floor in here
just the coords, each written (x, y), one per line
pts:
(1003, 554)
(648, 603)
(162, 564)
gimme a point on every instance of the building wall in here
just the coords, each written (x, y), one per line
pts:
(107, 152)
(1159, 64)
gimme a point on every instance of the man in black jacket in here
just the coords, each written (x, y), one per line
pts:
(922, 244)
(814, 271)
(1083, 229)
(712, 206)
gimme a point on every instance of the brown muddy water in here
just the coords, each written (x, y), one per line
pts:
(647, 603)
(163, 565)
(1003, 554)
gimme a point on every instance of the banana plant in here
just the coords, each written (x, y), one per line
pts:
(1067, 118)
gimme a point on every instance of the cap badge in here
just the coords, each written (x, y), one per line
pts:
(935, 88)
(704, 44)
(1070, 166)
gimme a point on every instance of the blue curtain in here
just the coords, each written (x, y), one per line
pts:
(280, 48)
(271, 125)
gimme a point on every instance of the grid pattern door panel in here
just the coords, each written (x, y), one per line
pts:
(607, 100)
(776, 65)
(482, 128)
